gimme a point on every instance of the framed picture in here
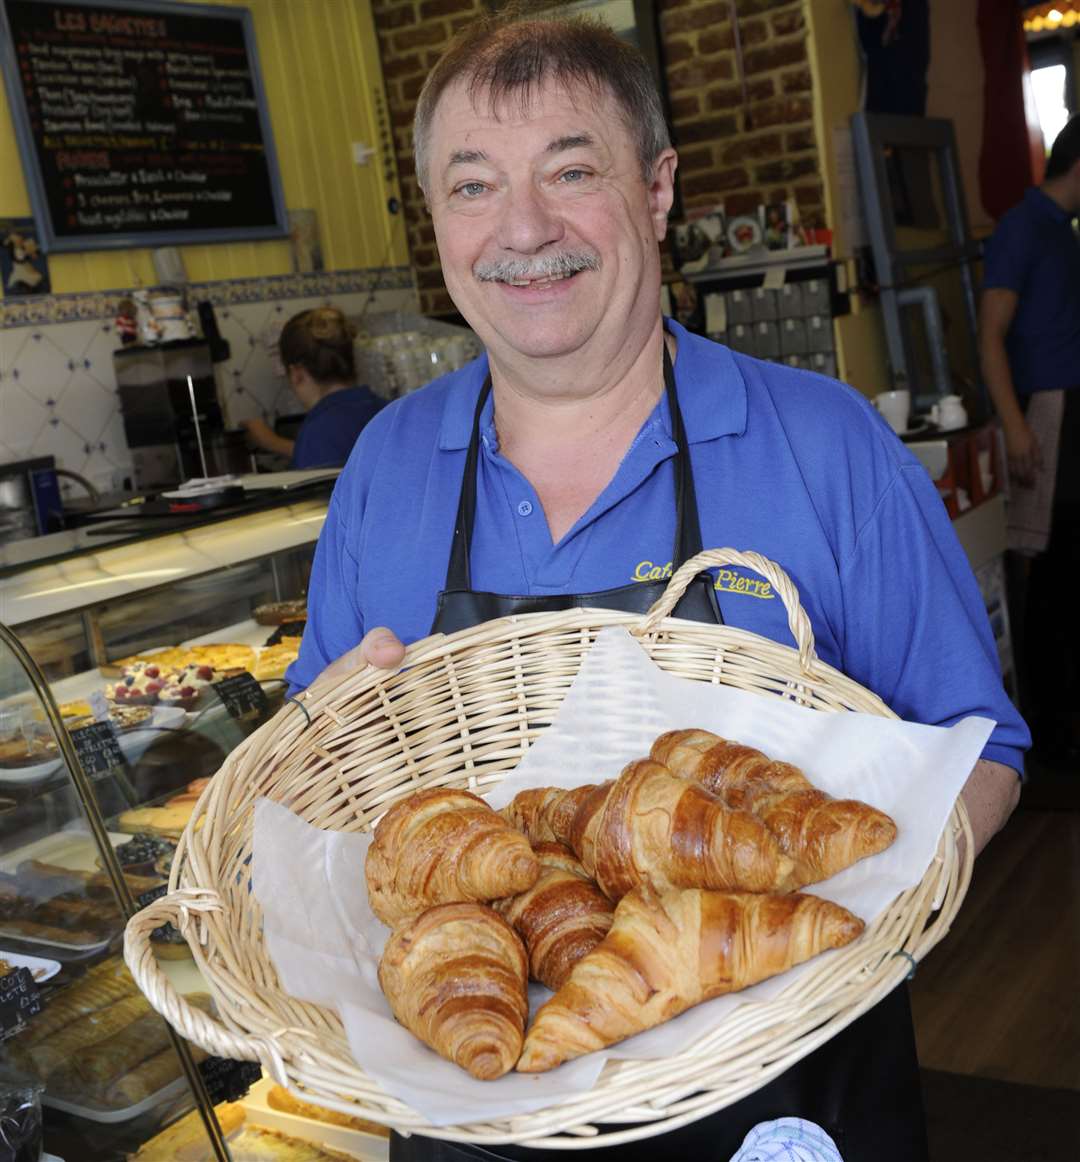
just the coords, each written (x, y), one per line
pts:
(701, 241)
(24, 269)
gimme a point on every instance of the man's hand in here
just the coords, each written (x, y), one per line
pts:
(1022, 448)
(380, 647)
(990, 796)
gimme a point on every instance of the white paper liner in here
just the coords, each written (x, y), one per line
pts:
(325, 942)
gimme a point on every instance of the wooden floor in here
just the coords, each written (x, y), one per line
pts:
(1000, 996)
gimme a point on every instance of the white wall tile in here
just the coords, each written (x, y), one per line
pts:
(86, 406)
(23, 418)
(41, 367)
(59, 440)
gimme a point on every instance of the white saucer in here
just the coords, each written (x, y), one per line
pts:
(916, 429)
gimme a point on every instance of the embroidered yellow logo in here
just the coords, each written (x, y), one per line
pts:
(727, 580)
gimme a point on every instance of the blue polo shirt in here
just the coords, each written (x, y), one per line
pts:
(1035, 252)
(787, 463)
(329, 430)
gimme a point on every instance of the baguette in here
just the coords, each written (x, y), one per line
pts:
(97, 1066)
(147, 1078)
(98, 989)
(185, 1140)
(279, 1098)
(54, 1051)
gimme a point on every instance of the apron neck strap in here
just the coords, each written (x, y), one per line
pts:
(687, 527)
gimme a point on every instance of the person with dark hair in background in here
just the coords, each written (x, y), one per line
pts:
(1029, 346)
(596, 446)
(316, 349)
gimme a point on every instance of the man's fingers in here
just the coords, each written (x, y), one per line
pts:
(381, 647)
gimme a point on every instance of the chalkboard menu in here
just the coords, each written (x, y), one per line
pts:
(18, 1000)
(140, 123)
(242, 695)
(98, 749)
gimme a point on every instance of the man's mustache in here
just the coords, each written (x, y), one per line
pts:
(547, 266)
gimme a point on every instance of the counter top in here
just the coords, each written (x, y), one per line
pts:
(99, 572)
(128, 525)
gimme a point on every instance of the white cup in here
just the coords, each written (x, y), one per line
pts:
(895, 406)
(949, 413)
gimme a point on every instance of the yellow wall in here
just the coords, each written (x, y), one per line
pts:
(955, 90)
(834, 60)
(321, 71)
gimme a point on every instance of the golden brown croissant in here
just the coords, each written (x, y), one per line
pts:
(546, 814)
(456, 977)
(822, 834)
(439, 846)
(561, 917)
(528, 812)
(655, 828)
(670, 950)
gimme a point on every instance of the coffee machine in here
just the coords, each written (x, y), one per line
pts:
(172, 417)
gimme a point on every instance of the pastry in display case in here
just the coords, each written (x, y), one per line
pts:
(106, 1072)
(102, 762)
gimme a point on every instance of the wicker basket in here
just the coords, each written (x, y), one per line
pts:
(462, 713)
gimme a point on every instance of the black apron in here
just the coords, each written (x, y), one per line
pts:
(862, 1086)
(461, 607)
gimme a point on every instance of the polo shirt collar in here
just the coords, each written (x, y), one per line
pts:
(712, 393)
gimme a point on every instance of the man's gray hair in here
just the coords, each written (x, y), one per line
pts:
(502, 58)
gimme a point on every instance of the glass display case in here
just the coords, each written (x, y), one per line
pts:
(128, 671)
(106, 1071)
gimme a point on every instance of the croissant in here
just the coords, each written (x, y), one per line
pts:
(546, 814)
(670, 950)
(822, 834)
(561, 917)
(456, 977)
(439, 846)
(652, 827)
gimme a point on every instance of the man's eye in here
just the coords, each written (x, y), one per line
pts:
(470, 189)
(573, 175)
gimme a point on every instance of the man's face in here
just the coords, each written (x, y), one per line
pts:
(547, 231)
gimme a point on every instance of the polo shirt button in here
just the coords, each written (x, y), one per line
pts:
(525, 508)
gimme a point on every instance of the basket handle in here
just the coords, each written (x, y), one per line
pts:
(181, 908)
(801, 630)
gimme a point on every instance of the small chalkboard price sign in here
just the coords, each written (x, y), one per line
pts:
(145, 899)
(140, 122)
(98, 749)
(19, 1001)
(227, 1080)
(242, 695)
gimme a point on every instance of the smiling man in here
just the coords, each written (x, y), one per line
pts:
(596, 446)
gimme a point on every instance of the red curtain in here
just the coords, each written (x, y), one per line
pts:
(1013, 155)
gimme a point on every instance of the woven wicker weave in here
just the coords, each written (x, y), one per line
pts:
(462, 713)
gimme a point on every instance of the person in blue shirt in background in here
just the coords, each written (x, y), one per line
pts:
(1029, 344)
(316, 349)
(595, 446)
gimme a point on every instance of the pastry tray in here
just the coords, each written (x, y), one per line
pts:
(70, 849)
(132, 742)
(40, 968)
(366, 1147)
(96, 1114)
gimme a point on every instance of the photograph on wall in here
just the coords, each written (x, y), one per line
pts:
(304, 241)
(24, 269)
(779, 228)
(700, 241)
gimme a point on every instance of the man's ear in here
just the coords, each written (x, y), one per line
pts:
(662, 191)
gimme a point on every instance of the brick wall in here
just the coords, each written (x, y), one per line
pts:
(732, 153)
